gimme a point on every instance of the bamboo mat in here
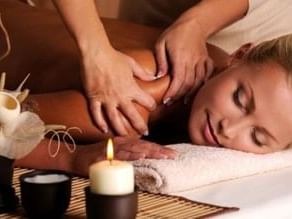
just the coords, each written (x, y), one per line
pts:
(154, 206)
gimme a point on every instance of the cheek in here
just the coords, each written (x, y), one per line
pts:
(243, 142)
(195, 124)
(211, 97)
(216, 99)
(214, 91)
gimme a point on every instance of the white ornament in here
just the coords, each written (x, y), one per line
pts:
(9, 107)
(20, 132)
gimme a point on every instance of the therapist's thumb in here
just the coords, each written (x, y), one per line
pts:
(141, 73)
(161, 58)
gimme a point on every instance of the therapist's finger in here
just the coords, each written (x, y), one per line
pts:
(136, 120)
(115, 118)
(198, 78)
(140, 73)
(178, 77)
(188, 82)
(144, 99)
(209, 65)
(96, 111)
(161, 58)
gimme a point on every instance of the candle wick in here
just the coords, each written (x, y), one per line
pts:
(110, 160)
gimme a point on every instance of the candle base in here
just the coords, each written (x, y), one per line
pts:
(111, 206)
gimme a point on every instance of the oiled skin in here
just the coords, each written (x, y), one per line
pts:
(42, 47)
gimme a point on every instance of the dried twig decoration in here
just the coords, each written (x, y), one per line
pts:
(7, 39)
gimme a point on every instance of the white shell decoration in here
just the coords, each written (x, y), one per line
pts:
(20, 136)
(9, 107)
(20, 132)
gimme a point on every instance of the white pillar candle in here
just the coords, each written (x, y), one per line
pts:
(111, 177)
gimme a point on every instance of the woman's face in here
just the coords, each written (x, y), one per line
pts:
(247, 107)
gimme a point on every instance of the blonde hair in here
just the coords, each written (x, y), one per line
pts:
(278, 50)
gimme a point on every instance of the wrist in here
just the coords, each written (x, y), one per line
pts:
(194, 23)
(76, 162)
(83, 157)
(91, 46)
(65, 161)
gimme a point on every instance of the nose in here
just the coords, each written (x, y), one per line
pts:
(229, 129)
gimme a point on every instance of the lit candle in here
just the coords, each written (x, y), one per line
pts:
(111, 177)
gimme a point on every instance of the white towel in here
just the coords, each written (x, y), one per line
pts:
(197, 166)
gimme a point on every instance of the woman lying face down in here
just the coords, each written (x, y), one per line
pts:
(245, 105)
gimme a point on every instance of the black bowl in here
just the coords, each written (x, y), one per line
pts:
(45, 199)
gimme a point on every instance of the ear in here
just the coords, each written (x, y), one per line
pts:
(240, 52)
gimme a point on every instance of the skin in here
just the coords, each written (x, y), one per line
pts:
(243, 108)
(243, 112)
(181, 50)
(110, 89)
(188, 60)
(52, 58)
(91, 143)
(232, 119)
(115, 100)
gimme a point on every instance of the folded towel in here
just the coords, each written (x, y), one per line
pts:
(197, 166)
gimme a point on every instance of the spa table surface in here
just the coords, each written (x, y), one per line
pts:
(267, 195)
(150, 205)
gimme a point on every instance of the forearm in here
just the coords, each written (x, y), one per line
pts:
(39, 158)
(76, 162)
(213, 15)
(82, 19)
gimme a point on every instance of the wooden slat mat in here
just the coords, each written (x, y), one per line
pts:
(154, 206)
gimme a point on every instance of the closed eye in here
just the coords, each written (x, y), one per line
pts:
(239, 98)
(255, 138)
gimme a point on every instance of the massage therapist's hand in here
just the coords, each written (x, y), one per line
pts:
(181, 50)
(108, 76)
(111, 90)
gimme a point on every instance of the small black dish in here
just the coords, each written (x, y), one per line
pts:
(45, 194)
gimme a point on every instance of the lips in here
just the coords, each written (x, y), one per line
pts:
(208, 132)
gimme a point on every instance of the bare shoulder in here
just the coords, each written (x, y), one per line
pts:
(145, 58)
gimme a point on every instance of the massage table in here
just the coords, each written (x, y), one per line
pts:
(267, 195)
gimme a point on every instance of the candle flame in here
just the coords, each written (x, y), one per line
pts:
(110, 150)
